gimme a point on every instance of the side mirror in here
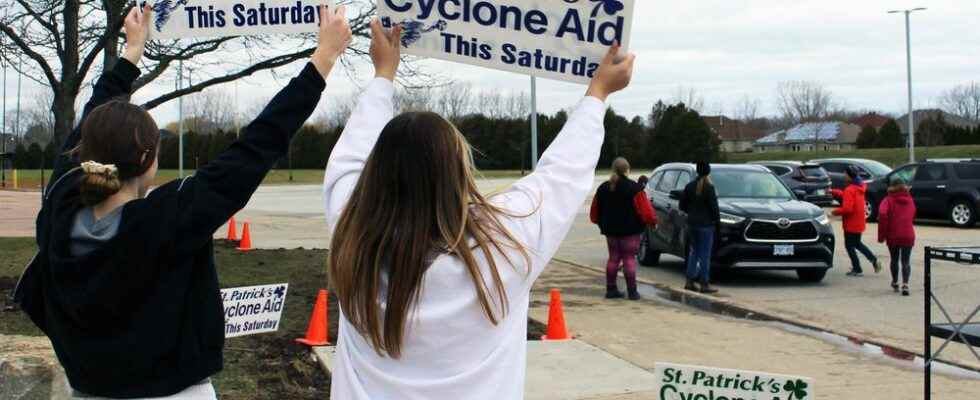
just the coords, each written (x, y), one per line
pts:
(800, 194)
(676, 194)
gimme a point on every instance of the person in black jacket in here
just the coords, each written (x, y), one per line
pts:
(124, 283)
(623, 211)
(700, 202)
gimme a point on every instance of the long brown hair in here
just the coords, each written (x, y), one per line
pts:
(620, 167)
(123, 135)
(702, 180)
(416, 198)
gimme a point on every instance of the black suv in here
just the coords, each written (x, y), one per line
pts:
(870, 170)
(763, 224)
(947, 189)
(812, 179)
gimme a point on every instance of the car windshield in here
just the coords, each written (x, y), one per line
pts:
(749, 184)
(877, 168)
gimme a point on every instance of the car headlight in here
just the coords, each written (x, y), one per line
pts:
(731, 219)
(822, 219)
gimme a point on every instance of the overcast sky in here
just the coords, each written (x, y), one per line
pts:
(727, 49)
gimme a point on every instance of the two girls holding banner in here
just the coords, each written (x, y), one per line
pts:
(433, 277)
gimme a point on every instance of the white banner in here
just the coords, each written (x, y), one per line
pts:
(179, 19)
(253, 309)
(556, 39)
(676, 382)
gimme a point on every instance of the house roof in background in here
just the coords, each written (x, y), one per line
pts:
(842, 132)
(729, 129)
(922, 115)
(873, 120)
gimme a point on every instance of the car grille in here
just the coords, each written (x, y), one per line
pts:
(769, 231)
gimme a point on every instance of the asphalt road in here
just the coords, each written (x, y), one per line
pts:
(292, 216)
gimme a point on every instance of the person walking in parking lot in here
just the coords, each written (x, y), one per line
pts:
(622, 210)
(896, 228)
(855, 222)
(700, 202)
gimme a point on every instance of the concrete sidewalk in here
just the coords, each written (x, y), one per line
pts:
(649, 331)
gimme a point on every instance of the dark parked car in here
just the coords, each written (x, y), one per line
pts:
(810, 178)
(946, 189)
(763, 224)
(870, 170)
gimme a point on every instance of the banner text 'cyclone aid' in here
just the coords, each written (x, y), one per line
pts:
(253, 309)
(556, 39)
(691, 382)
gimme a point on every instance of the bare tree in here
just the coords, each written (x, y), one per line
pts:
(490, 103)
(690, 97)
(455, 100)
(962, 100)
(518, 106)
(62, 40)
(747, 108)
(804, 101)
(211, 110)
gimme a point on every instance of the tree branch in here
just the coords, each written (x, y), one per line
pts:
(26, 48)
(95, 50)
(274, 62)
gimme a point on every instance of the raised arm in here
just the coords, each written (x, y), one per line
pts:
(224, 186)
(114, 83)
(557, 189)
(373, 111)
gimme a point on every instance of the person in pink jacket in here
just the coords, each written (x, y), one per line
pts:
(895, 227)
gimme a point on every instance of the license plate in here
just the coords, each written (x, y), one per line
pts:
(821, 192)
(783, 250)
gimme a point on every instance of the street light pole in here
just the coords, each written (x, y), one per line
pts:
(908, 60)
(180, 121)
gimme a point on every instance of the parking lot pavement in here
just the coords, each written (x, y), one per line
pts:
(865, 307)
(651, 331)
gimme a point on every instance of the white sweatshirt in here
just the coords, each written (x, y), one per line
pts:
(450, 348)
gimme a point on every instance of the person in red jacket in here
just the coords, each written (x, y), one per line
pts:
(622, 211)
(896, 228)
(855, 222)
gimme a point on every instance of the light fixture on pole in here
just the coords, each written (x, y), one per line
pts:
(908, 55)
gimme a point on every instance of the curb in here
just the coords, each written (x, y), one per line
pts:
(889, 349)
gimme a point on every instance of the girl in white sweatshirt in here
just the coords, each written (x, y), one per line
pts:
(434, 279)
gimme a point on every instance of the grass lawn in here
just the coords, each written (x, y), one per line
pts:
(891, 157)
(263, 366)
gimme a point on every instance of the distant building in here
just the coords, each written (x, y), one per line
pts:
(935, 114)
(736, 136)
(873, 120)
(812, 136)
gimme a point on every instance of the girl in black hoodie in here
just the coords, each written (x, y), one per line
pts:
(124, 283)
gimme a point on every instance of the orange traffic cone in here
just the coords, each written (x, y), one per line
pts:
(232, 229)
(317, 334)
(246, 243)
(556, 319)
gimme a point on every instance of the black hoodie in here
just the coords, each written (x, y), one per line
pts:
(141, 315)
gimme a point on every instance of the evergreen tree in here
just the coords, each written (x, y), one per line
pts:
(681, 135)
(868, 138)
(890, 135)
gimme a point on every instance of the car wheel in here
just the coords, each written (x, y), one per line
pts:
(869, 210)
(647, 256)
(811, 274)
(962, 214)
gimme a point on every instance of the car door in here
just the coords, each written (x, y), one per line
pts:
(929, 189)
(663, 205)
(678, 217)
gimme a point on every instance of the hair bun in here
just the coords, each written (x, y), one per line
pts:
(100, 182)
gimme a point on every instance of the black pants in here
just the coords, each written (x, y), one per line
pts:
(901, 255)
(852, 242)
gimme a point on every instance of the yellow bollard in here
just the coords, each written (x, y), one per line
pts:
(15, 179)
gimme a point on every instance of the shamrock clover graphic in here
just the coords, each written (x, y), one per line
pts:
(796, 389)
(280, 291)
(610, 6)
